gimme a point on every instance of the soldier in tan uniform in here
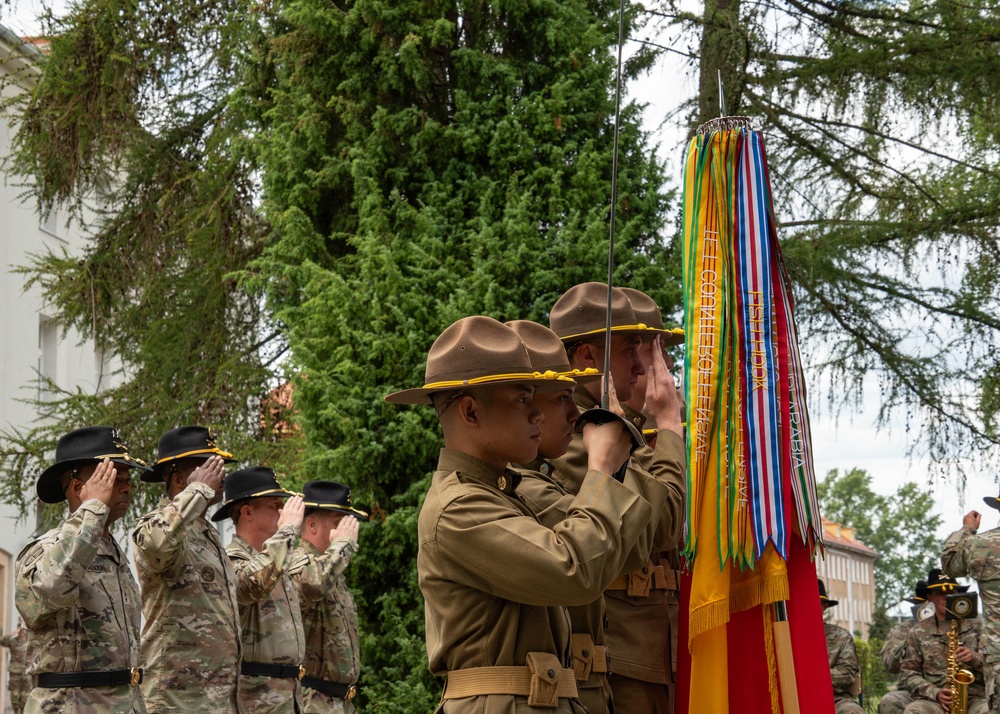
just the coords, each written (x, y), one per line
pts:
(551, 501)
(844, 668)
(73, 586)
(638, 615)
(267, 529)
(893, 653)
(191, 636)
(18, 683)
(495, 580)
(924, 672)
(329, 615)
(639, 679)
(969, 553)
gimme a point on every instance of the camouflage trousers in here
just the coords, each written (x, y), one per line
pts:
(19, 687)
(847, 705)
(314, 702)
(924, 706)
(894, 702)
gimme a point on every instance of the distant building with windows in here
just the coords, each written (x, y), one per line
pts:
(849, 572)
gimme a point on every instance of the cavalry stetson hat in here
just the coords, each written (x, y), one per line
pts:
(919, 595)
(582, 311)
(476, 352)
(91, 444)
(184, 442)
(937, 581)
(254, 482)
(647, 313)
(331, 496)
(546, 351)
(992, 502)
(822, 595)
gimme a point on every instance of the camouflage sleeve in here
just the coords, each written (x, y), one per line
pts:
(955, 559)
(894, 650)
(316, 579)
(8, 641)
(911, 672)
(257, 575)
(845, 668)
(49, 574)
(159, 536)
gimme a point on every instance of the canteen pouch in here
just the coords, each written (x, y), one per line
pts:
(545, 669)
(582, 647)
(639, 582)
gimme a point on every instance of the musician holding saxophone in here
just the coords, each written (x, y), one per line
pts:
(941, 656)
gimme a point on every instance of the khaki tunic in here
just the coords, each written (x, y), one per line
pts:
(639, 631)
(191, 637)
(329, 619)
(78, 599)
(270, 619)
(551, 502)
(496, 581)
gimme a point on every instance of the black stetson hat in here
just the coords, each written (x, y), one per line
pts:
(938, 582)
(81, 447)
(992, 501)
(331, 496)
(822, 596)
(182, 443)
(242, 485)
(919, 595)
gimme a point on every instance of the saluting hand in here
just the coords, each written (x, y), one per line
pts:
(209, 473)
(661, 393)
(347, 529)
(292, 512)
(101, 485)
(972, 520)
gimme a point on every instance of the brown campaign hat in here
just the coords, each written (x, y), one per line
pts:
(477, 351)
(582, 311)
(647, 313)
(546, 351)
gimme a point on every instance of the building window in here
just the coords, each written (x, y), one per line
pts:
(48, 356)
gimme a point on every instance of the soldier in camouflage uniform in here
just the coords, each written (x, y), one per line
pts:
(329, 616)
(968, 553)
(924, 671)
(18, 683)
(73, 586)
(894, 652)
(191, 636)
(267, 529)
(844, 668)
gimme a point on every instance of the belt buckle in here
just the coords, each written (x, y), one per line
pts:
(136, 676)
(351, 691)
(302, 672)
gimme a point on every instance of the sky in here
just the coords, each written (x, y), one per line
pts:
(845, 443)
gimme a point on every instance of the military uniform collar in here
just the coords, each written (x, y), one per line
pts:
(637, 418)
(473, 469)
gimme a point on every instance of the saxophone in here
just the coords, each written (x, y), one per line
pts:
(959, 678)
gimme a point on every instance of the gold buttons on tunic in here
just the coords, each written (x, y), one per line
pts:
(502, 483)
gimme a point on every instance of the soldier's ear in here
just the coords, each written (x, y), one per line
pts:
(467, 409)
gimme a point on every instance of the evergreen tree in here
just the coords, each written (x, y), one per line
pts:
(426, 161)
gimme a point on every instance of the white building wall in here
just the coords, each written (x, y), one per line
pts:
(28, 339)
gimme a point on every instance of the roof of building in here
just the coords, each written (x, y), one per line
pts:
(840, 536)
